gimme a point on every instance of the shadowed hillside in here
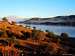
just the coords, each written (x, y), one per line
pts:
(58, 20)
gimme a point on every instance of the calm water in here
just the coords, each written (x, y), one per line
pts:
(56, 29)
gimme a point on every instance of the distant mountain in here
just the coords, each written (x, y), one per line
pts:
(58, 20)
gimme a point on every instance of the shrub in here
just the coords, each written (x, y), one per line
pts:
(9, 33)
(1, 54)
(34, 28)
(65, 39)
(64, 36)
(4, 19)
(43, 50)
(25, 35)
(13, 23)
(46, 30)
(50, 35)
(1, 33)
(4, 42)
(35, 33)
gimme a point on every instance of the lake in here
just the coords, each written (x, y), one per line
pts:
(56, 29)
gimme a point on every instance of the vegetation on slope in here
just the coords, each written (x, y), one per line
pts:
(18, 40)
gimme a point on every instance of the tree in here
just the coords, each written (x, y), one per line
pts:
(50, 34)
(64, 36)
(4, 19)
(46, 30)
(34, 28)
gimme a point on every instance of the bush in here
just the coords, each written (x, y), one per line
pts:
(43, 50)
(4, 42)
(25, 35)
(65, 39)
(46, 30)
(1, 54)
(9, 33)
(64, 36)
(50, 35)
(4, 19)
(35, 33)
(1, 33)
(13, 23)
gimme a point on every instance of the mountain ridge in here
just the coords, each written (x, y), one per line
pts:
(58, 20)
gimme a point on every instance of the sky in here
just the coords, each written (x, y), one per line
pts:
(36, 8)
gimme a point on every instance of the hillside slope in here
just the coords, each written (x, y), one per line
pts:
(31, 42)
(58, 20)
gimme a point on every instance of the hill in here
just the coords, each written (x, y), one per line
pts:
(18, 40)
(58, 20)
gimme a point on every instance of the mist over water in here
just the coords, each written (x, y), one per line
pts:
(56, 29)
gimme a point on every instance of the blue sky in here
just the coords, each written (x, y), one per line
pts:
(36, 8)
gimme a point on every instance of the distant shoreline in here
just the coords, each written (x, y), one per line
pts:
(48, 24)
(57, 20)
